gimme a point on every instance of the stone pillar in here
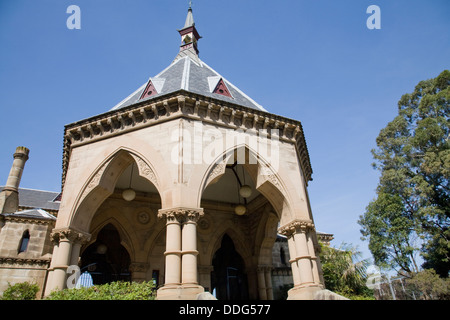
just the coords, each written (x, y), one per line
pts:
(181, 281)
(268, 280)
(65, 252)
(303, 262)
(189, 247)
(173, 247)
(9, 197)
(139, 271)
(314, 258)
(293, 262)
(48, 284)
(62, 259)
(265, 282)
(204, 275)
(261, 283)
(303, 257)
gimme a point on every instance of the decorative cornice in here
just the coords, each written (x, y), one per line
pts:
(189, 105)
(25, 261)
(298, 225)
(27, 219)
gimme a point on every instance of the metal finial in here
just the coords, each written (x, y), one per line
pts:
(190, 4)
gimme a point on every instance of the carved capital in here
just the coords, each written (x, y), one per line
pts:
(296, 226)
(181, 214)
(68, 234)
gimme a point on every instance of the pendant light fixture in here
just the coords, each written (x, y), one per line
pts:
(129, 194)
(244, 191)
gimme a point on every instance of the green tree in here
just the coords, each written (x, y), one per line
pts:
(413, 156)
(342, 272)
(21, 291)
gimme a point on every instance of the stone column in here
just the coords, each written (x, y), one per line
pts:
(48, 284)
(303, 262)
(268, 280)
(181, 281)
(204, 274)
(314, 258)
(261, 283)
(303, 257)
(173, 247)
(293, 262)
(65, 252)
(189, 246)
(79, 239)
(62, 259)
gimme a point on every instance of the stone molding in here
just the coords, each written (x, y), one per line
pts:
(181, 214)
(25, 261)
(188, 105)
(296, 226)
(24, 219)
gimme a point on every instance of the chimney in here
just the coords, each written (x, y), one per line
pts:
(9, 197)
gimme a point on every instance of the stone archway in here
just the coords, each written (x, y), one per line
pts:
(100, 201)
(106, 260)
(229, 278)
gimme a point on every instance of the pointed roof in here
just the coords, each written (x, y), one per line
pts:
(189, 19)
(188, 72)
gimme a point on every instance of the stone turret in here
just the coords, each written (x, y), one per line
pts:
(9, 196)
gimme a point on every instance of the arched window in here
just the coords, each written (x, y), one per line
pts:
(282, 256)
(24, 241)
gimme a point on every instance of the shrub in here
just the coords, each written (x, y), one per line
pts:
(111, 291)
(21, 291)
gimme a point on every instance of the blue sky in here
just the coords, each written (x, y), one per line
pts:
(314, 61)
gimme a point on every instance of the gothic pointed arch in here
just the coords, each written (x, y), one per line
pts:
(266, 179)
(101, 183)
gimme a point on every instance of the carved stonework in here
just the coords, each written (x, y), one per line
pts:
(146, 114)
(181, 215)
(145, 170)
(71, 235)
(95, 181)
(296, 226)
(217, 170)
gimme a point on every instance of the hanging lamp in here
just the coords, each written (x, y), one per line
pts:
(129, 194)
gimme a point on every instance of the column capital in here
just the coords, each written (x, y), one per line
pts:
(295, 226)
(69, 234)
(181, 214)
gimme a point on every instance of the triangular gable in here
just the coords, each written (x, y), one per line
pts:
(221, 88)
(149, 90)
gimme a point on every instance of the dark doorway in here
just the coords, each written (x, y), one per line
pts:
(228, 278)
(106, 259)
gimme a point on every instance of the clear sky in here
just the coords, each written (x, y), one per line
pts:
(315, 61)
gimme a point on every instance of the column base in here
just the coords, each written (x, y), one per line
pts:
(179, 292)
(304, 292)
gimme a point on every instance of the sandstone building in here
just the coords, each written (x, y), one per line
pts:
(187, 181)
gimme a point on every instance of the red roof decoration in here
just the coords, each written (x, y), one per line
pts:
(222, 89)
(149, 90)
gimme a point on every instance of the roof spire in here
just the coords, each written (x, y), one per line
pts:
(189, 34)
(190, 18)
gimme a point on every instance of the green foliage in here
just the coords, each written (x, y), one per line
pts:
(413, 200)
(342, 274)
(430, 285)
(110, 291)
(21, 291)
